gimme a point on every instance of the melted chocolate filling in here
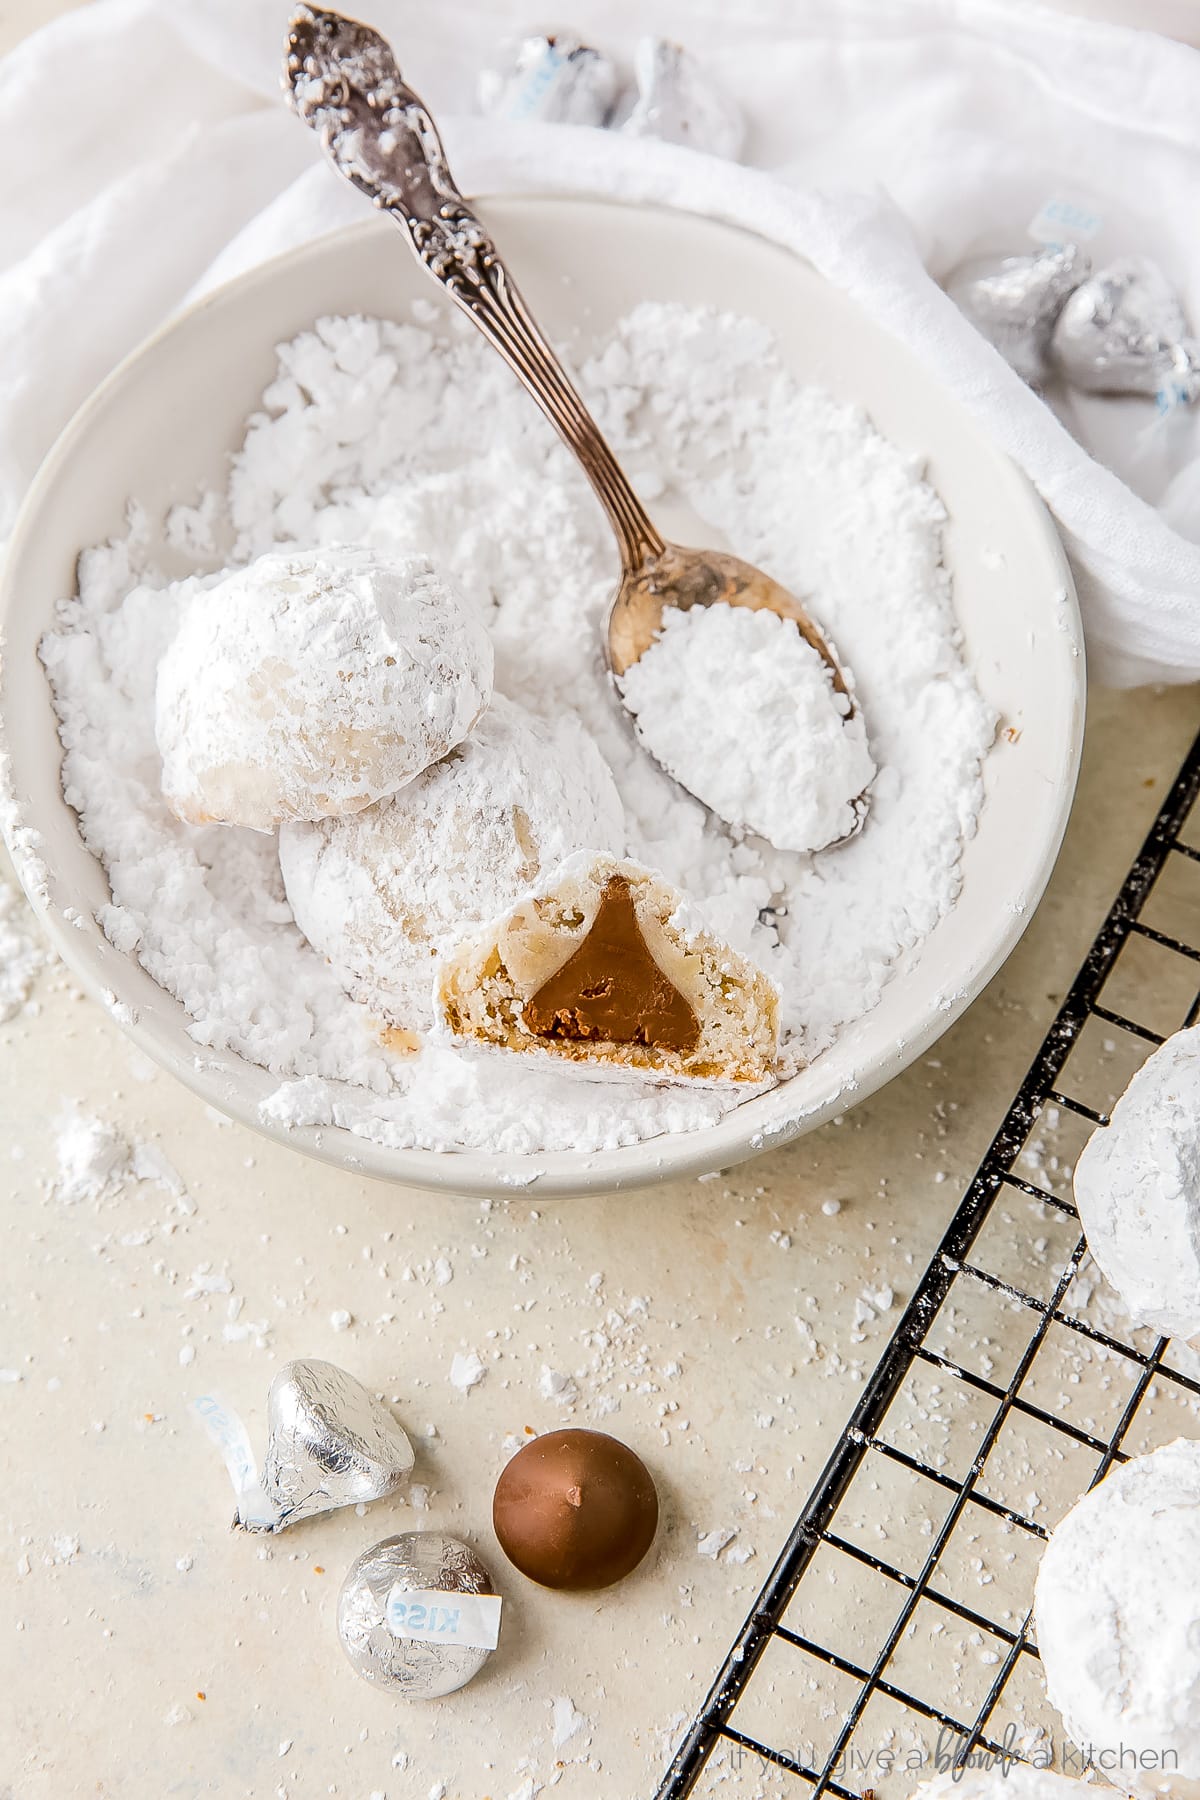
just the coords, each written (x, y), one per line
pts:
(611, 990)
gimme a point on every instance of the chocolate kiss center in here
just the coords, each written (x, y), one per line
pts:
(610, 988)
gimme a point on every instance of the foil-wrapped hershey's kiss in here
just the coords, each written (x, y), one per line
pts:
(553, 77)
(556, 78)
(419, 1667)
(1123, 331)
(330, 1443)
(678, 100)
(1015, 300)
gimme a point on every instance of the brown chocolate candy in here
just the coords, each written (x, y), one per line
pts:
(575, 1509)
(610, 988)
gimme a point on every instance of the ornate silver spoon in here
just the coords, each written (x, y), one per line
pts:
(342, 80)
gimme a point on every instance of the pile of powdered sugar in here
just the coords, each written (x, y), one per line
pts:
(20, 956)
(742, 710)
(419, 442)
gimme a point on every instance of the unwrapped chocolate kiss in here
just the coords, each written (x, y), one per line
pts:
(575, 1509)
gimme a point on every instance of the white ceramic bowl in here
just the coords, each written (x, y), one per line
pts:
(161, 427)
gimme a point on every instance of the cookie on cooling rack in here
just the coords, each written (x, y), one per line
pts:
(1137, 1187)
(1117, 1599)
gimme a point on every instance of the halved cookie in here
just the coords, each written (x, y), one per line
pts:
(604, 964)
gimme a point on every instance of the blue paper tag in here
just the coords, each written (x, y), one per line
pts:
(233, 1441)
(433, 1616)
(1061, 220)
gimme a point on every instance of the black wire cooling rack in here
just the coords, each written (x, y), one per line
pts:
(1138, 981)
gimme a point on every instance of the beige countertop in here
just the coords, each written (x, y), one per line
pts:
(716, 1325)
(149, 1651)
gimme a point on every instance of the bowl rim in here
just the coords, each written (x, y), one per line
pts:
(557, 1174)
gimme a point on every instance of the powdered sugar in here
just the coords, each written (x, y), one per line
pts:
(383, 892)
(93, 1158)
(409, 443)
(306, 687)
(1137, 1186)
(492, 1100)
(95, 1161)
(742, 710)
(20, 956)
(467, 1370)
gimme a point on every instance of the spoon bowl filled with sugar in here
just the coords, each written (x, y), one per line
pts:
(734, 687)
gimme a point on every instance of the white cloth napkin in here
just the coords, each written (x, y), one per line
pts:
(891, 139)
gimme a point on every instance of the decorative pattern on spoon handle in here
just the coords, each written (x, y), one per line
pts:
(459, 253)
(380, 136)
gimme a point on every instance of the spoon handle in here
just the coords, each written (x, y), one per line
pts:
(380, 136)
(459, 253)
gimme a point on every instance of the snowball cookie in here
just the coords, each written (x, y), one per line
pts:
(382, 893)
(605, 962)
(1118, 1622)
(1137, 1187)
(1004, 1781)
(312, 683)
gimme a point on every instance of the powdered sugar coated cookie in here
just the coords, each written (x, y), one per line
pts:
(381, 893)
(308, 686)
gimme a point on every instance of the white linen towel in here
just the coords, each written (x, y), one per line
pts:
(891, 139)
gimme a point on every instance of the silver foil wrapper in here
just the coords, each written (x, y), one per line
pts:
(678, 100)
(554, 77)
(1015, 300)
(409, 1666)
(330, 1443)
(1123, 331)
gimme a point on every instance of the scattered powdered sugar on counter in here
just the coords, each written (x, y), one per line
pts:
(20, 956)
(412, 443)
(568, 1721)
(467, 1370)
(742, 710)
(95, 1161)
(93, 1157)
